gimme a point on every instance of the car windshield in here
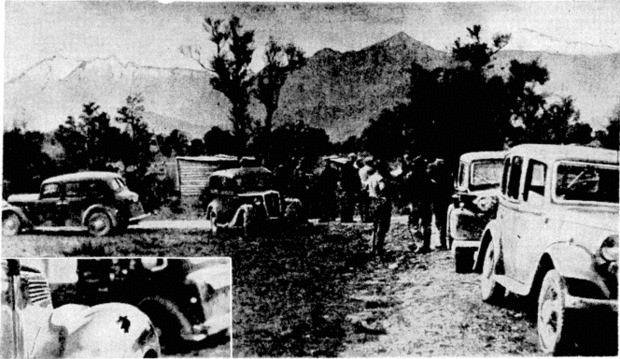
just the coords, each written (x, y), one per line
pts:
(486, 173)
(587, 182)
(254, 182)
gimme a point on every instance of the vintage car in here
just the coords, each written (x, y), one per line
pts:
(98, 201)
(31, 328)
(188, 300)
(244, 198)
(555, 239)
(477, 180)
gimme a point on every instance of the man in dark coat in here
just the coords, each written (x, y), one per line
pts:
(349, 187)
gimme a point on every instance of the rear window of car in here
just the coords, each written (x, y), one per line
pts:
(587, 182)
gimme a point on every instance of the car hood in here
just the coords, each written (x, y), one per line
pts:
(588, 227)
(603, 218)
(23, 198)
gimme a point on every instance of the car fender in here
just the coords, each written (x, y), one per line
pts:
(99, 207)
(492, 232)
(18, 211)
(572, 261)
(237, 219)
(215, 206)
(294, 209)
(111, 330)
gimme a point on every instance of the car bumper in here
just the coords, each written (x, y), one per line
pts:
(136, 219)
(474, 244)
(574, 302)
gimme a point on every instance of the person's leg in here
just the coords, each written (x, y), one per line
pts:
(425, 223)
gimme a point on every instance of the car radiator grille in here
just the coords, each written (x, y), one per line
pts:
(272, 202)
(38, 288)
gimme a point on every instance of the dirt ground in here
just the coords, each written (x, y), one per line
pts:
(320, 293)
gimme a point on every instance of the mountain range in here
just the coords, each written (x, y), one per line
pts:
(337, 91)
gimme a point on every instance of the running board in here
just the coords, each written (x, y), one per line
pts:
(511, 284)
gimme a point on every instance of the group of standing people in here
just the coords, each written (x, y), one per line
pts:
(424, 187)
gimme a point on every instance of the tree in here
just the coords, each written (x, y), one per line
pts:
(230, 65)
(609, 138)
(217, 141)
(139, 152)
(280, 60)
(25, 165)
(89, 142)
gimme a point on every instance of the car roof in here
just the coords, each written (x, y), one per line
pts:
(241, 171)
(82, 176)
(472, 156)
(552, 153)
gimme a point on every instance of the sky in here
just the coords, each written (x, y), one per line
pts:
(150, 33)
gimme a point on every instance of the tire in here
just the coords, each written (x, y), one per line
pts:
(213, 221)
(11, 224)
(169, 321)
(490, 290)
(449, 238)
(555, 324)
(463, 260)
(99, 224)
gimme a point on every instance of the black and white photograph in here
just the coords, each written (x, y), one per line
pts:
(371, 179)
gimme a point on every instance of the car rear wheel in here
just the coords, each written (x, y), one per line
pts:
(490, 290)
(99, 224)
(555, 323)
(10, 224)
(463, 260)
(169, 321)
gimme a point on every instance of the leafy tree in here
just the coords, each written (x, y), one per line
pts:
(89, 142)
(280, 60)
(609, 138)
(25, 164)
(230, 66)
(139, 152)
(218, 141)
(178, 143)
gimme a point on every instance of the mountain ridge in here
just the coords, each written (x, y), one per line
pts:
(338, 91)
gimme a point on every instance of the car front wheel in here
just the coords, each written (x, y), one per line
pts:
(99, 224)
(555, 323)
(490, 290)
(10, 224)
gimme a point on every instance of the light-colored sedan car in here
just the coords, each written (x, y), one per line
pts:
(555, 240)
(478, 178)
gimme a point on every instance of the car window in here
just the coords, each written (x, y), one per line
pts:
(535, 182)
(505, 175)
(96, 188)
(461, 176)
(72, 189)
(587, 182)
(486, 173)
(50, 190)
(514, 177)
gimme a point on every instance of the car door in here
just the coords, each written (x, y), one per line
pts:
(508, 211)
(532, 228)
(75, 198)
(49, 201)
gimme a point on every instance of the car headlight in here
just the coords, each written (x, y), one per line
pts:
(609, 249)
(485, 203)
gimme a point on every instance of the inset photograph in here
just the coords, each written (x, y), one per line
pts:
(116, 307)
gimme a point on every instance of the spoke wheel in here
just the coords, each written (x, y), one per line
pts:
(10, 225)
(554, 321)
(99, 224)
(490, 290)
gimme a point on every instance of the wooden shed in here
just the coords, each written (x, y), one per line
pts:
(193, 172)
